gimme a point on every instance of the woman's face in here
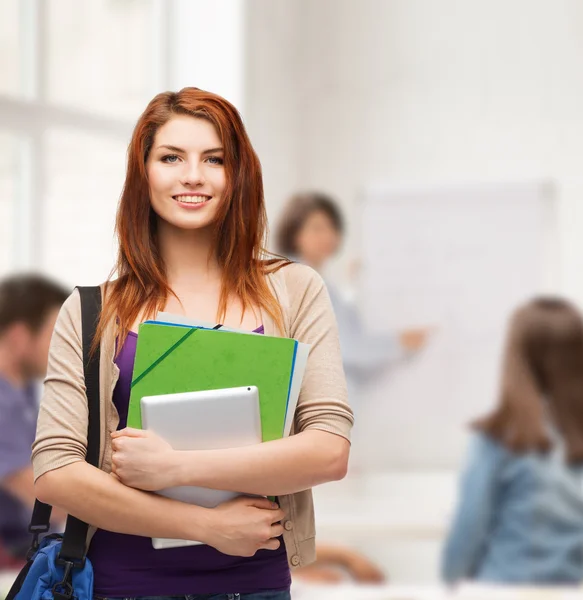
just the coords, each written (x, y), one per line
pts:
(186, 173)
(318, 239)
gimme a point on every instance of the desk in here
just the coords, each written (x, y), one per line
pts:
(388, 504)
(398, 519)
(302, 591)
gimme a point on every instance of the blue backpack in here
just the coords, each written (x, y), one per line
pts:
(57, 567)
(48, 577)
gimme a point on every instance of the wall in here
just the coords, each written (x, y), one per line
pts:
(340, 94)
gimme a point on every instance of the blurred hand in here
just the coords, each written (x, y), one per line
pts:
(363, 570)
(337, 563)
(414, 339)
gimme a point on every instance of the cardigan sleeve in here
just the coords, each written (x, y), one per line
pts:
(323, 402)
(61, 436)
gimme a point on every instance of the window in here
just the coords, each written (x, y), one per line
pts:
(84, 180)
(75, 76)
(8, 191)
(10, 47)
(99, 55)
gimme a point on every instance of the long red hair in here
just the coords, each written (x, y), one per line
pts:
(141, 287)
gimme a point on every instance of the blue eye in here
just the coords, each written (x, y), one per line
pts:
(170, 158)
(215, 160)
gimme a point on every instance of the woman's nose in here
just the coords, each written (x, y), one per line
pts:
(192, 174)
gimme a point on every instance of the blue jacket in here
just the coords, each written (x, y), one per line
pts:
(519, 519)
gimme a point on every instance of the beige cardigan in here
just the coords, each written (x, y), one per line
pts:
(308, 317)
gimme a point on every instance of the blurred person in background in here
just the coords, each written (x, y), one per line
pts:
(519, 518)
(311, 231)
(29, 305)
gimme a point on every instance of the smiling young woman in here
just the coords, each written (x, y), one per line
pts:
(191, 226)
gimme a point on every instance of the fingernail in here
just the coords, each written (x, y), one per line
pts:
(275, 505)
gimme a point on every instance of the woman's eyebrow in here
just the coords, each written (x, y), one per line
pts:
(212, 150)
(172, 148)
(177, 149)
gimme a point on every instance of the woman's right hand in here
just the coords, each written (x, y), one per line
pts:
(244, 525)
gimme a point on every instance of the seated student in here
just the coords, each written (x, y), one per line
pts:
(520, 513)
(29, 305)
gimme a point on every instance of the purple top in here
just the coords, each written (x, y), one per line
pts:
(18, 413)
(127, 565)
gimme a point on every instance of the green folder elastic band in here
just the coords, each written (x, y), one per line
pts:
(161, 358)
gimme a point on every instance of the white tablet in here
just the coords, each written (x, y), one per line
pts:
(204, 420)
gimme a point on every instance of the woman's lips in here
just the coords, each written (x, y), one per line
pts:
(191, 202)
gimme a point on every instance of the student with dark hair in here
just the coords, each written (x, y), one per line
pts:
(310, 230)
(29, 305)
(519, 518)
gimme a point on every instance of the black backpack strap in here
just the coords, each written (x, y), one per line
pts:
(39, 523)
(73, 547)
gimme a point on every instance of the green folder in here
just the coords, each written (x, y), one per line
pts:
(173, 359)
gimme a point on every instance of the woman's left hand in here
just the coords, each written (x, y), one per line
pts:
(141, 459)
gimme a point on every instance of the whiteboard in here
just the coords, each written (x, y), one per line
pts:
(461, 258)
